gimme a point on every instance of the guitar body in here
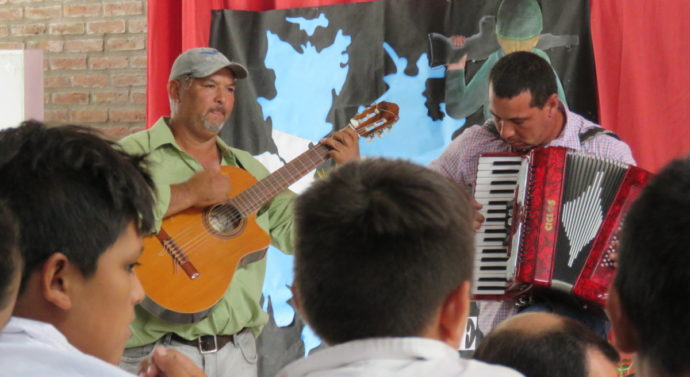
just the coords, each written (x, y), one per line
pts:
(214, 240)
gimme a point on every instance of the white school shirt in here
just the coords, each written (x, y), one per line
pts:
(400, 357)
(31, 348)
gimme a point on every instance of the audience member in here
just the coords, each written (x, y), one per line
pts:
(646, 303)
(548, 345)
(383, 266)
(10, 263)
(82, 207)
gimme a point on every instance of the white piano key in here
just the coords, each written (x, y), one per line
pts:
(478, 275)
(487, 195)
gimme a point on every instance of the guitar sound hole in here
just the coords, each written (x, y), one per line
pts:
(223, 220)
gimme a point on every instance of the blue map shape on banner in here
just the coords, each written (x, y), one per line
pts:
(305, 84)
(415, 137)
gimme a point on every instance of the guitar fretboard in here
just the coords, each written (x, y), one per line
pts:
(253, 198)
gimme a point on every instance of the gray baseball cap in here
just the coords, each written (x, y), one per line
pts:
(204, 61)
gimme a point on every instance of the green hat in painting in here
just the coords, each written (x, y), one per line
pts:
(518, 19)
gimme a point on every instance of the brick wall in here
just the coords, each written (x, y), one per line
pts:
(94, 58)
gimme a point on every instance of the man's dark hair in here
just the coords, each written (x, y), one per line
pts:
(380, 245)
(653, 278)
(520, 71)
(10, 261)
(557, 352)
(72, 192)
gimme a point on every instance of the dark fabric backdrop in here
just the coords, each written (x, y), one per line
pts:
(640, 48)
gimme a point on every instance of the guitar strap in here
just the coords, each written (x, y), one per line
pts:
(490, 126)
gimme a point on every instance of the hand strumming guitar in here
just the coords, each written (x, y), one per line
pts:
(205, 188)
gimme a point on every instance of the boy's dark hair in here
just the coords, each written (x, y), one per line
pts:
(72, 192)
(558, 352)
(520, 71)
(653, 278)
(380, 245)
(10, 261)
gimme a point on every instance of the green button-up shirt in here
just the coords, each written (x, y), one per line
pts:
(239, 308)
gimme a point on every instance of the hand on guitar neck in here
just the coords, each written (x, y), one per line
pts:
(343, 145)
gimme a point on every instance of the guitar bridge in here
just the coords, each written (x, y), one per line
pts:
(178, 255)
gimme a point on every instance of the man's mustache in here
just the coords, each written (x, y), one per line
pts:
(220, 109)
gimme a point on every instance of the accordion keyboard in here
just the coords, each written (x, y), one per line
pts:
(497, 179)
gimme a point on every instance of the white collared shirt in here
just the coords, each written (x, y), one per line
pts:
(34, 348)
(403, 357)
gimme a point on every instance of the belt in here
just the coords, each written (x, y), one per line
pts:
(205, 343)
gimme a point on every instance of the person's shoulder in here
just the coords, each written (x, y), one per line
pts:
(602, 142)
(136, 142)
(30, 360)
(476, 368)
(473, 135)
(249, 162)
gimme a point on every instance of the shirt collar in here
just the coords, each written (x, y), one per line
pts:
(569, 137)
(161, 135)
(403, 348)
(25, 330)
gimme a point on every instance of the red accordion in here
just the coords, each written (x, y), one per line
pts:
(553, 217)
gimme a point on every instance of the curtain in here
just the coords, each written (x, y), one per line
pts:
(641, 50)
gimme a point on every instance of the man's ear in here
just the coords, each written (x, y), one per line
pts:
(552, 105)
(453, 315)
(625, 335)
(174, 90)
(56, 280)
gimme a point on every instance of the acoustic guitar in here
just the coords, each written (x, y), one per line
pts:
(187, 267)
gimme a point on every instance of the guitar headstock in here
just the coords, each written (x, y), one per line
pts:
(375, 119)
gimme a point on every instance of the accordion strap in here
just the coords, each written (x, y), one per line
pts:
(593, 132)
(588, 134)
(490, 126)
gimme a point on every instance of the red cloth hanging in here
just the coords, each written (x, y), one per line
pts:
(641, 52)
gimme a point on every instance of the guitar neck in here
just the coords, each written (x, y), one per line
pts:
(263, 191)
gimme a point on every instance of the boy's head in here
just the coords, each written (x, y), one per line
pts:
(546, 344)
(647, 299)
(384, 248)
(82, 206)
(10, 263)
